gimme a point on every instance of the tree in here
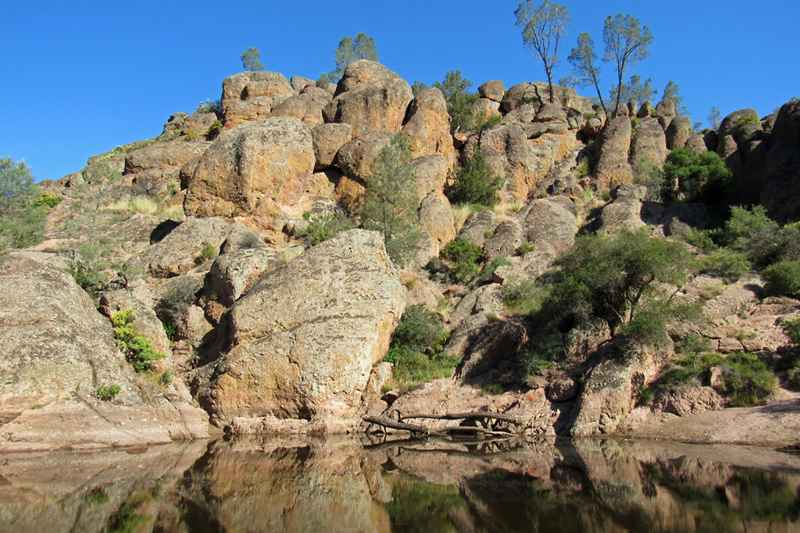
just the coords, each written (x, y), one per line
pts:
(391, 200)
(626, 41)
(22, 210)
(251, 59)
(351, 50)
(714, 118)
(695, 176)
(620, 279)
(583, 60)
(459, 101)
(635, 91)
(542, 28)
(672, 92)
(475, 183)
(16, 183)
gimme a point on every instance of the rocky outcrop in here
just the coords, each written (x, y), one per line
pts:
(256, 169)
(436, 218)
(679, 132)
(357, 157)
(625, 211)
(493, 90)
(524, 93)
(249, 96)
(57, 350)
(428, 126)
(371, 98)
(612, 160)
(309, 357)
(431, 173)
(649, 145)
(551, 221)
(781, 193)
(507, 153)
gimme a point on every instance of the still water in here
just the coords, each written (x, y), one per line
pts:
(346, 486)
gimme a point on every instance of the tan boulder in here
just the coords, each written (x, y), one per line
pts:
(493, 90)
(679, 132)
(163, 160)
(310, 357)
(507, 153)
(357, 157)
(302, 107)
(371, 98)
(484, 110)
(251, 96)
(431, 173)
(428, 126)
(649, 145)
(550, 220)
(254, 169)
(436, 218)
(615, 143)
(696, 143)
(665, 112)
(328, 139)
(299, 83)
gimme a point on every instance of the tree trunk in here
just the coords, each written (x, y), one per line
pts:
(550, 83)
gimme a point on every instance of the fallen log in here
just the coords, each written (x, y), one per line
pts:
(395, 424)
(466, 416)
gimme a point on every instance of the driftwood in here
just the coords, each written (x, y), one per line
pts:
(477, 424)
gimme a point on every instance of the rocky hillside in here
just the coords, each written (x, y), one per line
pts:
(215, 277)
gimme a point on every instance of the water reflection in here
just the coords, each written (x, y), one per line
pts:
(341, 485)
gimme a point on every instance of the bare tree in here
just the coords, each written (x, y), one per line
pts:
(583, 59)
(542, 27)
(626, 41)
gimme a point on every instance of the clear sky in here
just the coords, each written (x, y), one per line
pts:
(79, 77)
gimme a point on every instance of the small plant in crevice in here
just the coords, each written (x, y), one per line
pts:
(137, 349)
(107, 393)
(487, 274)
(463, 259)
(207, 253)
(324, 226)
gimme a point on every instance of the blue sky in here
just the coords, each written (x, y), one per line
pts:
(81, 77)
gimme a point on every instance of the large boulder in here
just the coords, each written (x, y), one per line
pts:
(161, 161)
(304, 107)
(679, 132)
(507, 153)
(195, 125)
(550, 220)
(493, 90)
(428, 126)
(526, 93)
(741, 124)
(328, 139)
(612, 161)
(436, 218)
(649, 145)
(303, 341)
(357, 158)
(186, 246)
(371, 98)
(782, 170)
(56, 351)
(255, 169)
(431, 174)
(624, 212)
(485, 110)
(251, 96)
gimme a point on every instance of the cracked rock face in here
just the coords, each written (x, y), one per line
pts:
(305, 338)
(55, 351)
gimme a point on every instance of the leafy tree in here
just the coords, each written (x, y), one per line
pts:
(714, 118)
(695, 176)
(22, 209)
(672, 92)
(391, 200)
(583, 60)
(619, 279)
(635, 91)
(543, 26)
(626, 41)
(783, 279)
(475, 183)
(251, 59)
(459, 101)
(351, 50)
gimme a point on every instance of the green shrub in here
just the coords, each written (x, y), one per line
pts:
(523, 297)
(214, 130)
(464, 258)
(325, 226)
(693, 344)
(166, 378)
(170, 330)
(420, 329)
(487, 274)
(48, 200)
(702, 239)
(137, 348)
(783, 279)
(695, 176)
(792, 329)
(412, 367)
(107, 393)
(96, 496)
(526, 248)
(207, 253)
(475, 184)
(725, 264)
(459, 101)
(746, 380)
(541, 355)
(753, 233)
(87, 273)
(417, 348)
(793, 377)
